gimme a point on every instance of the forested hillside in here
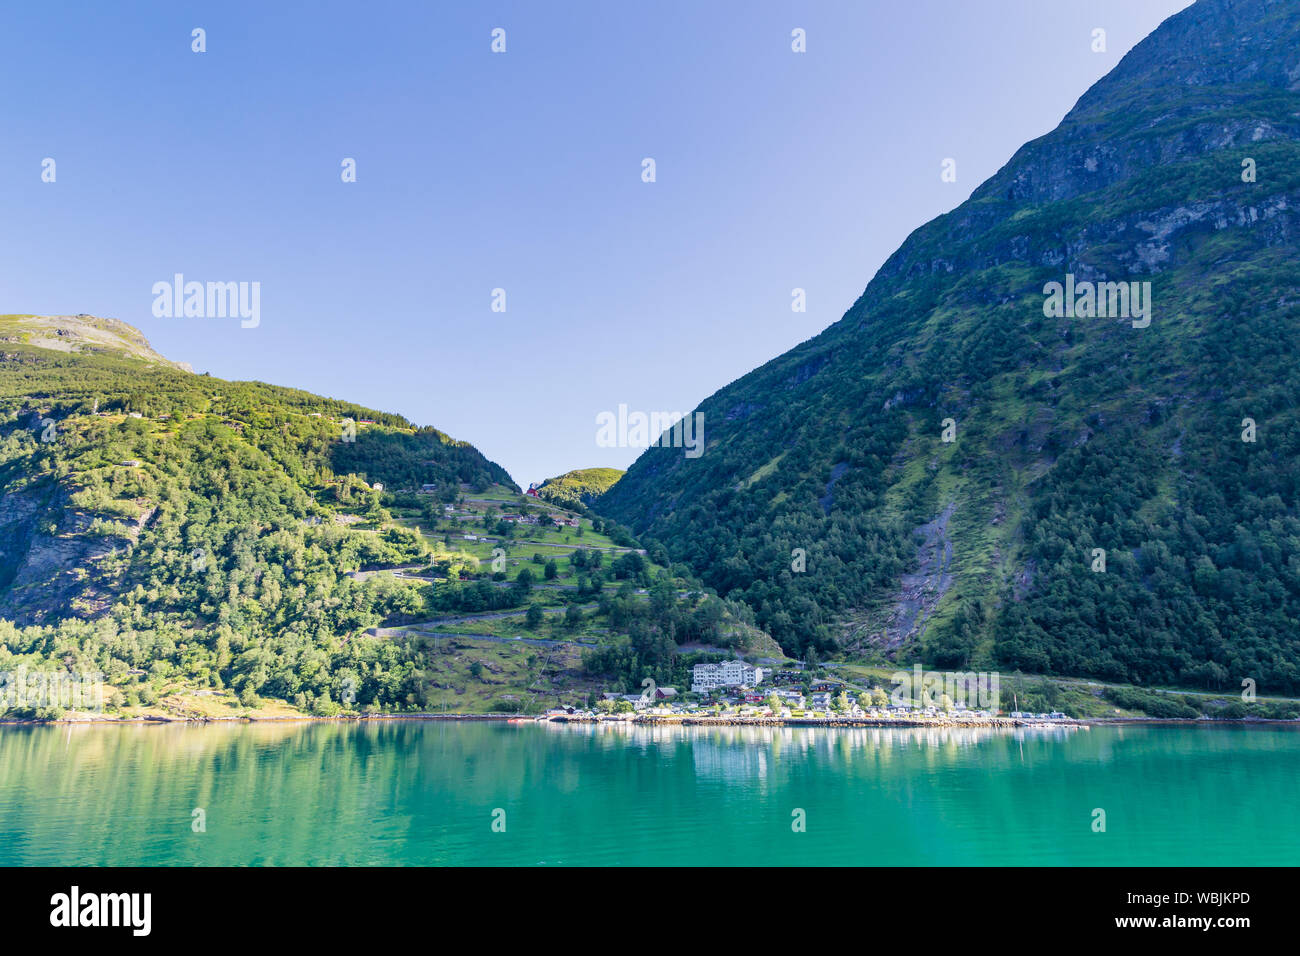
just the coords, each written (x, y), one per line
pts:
(157, 522)
(961, 473)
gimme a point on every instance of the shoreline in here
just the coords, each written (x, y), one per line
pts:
(665, 720)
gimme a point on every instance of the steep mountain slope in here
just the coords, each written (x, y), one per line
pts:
(156, 519)
(829, 499)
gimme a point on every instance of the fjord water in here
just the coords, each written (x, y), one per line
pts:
(427, 793)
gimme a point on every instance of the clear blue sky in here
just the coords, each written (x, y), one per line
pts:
(522, 171)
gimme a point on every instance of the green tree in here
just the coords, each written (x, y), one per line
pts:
(534, 617)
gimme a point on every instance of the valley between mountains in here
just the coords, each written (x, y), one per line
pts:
(1056, 438)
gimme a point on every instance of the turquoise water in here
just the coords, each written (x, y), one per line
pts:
(421, 793)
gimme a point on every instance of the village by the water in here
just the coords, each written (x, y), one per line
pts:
(523, 532)
(736, 692)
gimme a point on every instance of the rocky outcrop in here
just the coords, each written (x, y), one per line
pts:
(52, 556)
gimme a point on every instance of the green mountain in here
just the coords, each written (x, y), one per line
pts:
(158, 521)
(580, 487)
(829, 500)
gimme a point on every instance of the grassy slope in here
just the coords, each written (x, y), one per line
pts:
(581, 486)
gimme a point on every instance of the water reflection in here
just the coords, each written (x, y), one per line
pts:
(424, 792)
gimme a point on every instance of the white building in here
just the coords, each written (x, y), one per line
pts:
(727, 674)
(636, 700)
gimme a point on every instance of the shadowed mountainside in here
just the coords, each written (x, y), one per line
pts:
(1073, 433)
